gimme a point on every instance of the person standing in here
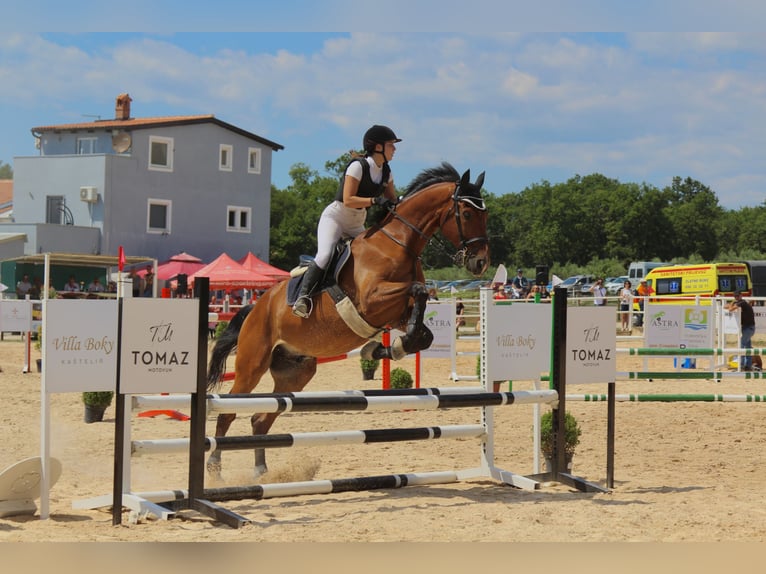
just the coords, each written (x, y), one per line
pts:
(642, 292)
(23, 287)
(149, 281)
(626, 300)
(599, 293)
(367, 181)
(747, 327)
(520, 283)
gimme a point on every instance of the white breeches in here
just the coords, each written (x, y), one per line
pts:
(336, 221)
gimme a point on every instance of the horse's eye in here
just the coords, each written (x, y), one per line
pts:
(466, 215)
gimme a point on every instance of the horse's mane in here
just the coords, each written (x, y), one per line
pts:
(433, 175)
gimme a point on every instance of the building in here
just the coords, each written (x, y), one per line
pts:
(156, 186)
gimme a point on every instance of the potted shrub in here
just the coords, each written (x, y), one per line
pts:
(369, 366)
(39, 347)
(400, 379)
(572, 432)
(96, 403)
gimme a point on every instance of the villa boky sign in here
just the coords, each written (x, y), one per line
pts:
(80, 338)
(159, 345)
(591, 345)
(518, 340)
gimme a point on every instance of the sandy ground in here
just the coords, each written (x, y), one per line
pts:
(689, 472)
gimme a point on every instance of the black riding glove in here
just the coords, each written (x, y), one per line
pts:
(384, 202)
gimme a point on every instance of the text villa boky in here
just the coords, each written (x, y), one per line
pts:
(75, 343)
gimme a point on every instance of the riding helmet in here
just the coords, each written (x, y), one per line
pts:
(378, 135)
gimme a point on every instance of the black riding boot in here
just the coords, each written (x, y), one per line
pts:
(311, 278)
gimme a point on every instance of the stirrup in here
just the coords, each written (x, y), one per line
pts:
(303, 306)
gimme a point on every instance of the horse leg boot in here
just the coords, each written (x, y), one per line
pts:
(312, 276)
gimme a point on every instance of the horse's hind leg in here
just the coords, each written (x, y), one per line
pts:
(291, 373)
(249, 368)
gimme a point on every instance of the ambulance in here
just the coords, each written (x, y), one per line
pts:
(681, 283)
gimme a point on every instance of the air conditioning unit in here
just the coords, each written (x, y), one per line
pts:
(89, 194)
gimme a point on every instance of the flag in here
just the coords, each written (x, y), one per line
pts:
(555, 280)
(120, 259)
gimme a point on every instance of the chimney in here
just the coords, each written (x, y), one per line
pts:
(122, 107)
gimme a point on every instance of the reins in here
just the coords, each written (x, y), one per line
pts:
(460, 256)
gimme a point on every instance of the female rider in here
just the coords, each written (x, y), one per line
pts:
(367, 181)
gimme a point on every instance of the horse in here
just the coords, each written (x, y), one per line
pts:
(384, 280)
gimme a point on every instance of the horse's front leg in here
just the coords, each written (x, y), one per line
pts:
(417, 336)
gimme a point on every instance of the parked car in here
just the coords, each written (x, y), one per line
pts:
(614, 285)
(574, 284)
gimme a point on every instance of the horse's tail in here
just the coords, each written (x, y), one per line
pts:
(224, 346)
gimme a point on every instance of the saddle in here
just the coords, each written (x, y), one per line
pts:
(329, 282)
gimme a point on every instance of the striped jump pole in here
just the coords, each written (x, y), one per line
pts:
(696, 375)
(310, 439)
(690, 352)
(671, 398)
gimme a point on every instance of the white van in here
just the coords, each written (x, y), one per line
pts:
(638, 270)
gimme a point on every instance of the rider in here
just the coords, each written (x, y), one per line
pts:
(367, 181)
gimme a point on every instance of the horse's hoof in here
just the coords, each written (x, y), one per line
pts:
(368, 349)
(214, 470)
(259, 470)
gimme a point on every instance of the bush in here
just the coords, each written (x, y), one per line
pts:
(369, 364)
(98, 398)
(572, 432)
(400, 379)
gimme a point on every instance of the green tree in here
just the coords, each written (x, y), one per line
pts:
(6, 172)
(694, 213)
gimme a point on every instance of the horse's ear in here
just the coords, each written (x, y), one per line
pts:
(466, 179)
(479, 181)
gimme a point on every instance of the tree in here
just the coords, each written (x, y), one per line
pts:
(694, 213)
(6, 172)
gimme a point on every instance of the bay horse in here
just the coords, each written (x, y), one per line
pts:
(384, 280)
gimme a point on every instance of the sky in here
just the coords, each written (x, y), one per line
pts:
(471, 87)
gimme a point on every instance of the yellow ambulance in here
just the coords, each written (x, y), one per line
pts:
(679, 283)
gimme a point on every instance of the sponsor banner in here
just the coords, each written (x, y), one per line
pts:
(518, 341)
(15, 315)
(591, 345)
(679, 326)
(159, 345)
(80, 351)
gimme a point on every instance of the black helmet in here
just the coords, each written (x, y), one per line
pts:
(378, 135)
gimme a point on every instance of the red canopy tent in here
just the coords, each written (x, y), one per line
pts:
(251, 261)
(177, 264)
(226, 274)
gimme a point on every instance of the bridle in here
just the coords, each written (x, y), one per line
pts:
(457, 200)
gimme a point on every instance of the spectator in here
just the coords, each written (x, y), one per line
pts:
(532, 292)
(37, 289)
(599, 293)
(96, 286)
(642, 291)
(626, 300)
(747, 328)
(520, 283)
(432, 296)
(149, 282)
(72, 286)
(459, 314)
(499, 291)
(23, 287)
(136, 281)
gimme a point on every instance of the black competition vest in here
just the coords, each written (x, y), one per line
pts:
(367, 187)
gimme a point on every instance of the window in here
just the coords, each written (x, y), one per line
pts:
(238, 219)
(55, 209)
(225, 153)
(160, 153)
(86, 146)
(158, 216)
(254, 160)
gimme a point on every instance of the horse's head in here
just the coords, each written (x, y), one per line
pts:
(467, 230)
